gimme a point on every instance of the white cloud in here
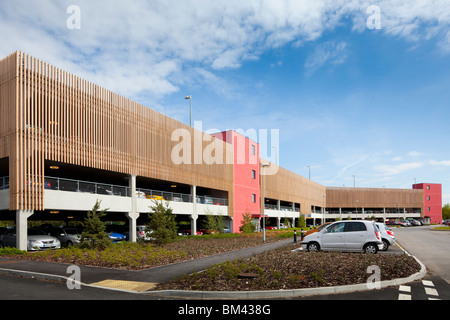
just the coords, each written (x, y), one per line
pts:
(415, 154)
(146, 46)
(343, 170)
(331, 53)
(389, 170)
(445, 163)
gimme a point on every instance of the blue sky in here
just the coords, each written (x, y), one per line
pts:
(347, 100)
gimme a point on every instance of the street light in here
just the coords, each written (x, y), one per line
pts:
(264, 202)
(190, 108)
(323, 209)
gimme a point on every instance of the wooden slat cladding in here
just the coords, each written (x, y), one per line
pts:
(60, 117)
(374, 198)
(288, 186)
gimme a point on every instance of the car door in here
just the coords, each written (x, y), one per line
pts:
(355, 235)
(333, 237)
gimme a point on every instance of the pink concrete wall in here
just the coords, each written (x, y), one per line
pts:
(432, 200)
(245, 186)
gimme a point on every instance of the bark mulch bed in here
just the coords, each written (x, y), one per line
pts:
(283, 269)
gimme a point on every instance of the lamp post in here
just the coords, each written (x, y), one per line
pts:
(323, 209)
(190, 108)
(264, 202)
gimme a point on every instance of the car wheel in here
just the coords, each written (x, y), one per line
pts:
(385, 245)
(313, 247)
(370, 248)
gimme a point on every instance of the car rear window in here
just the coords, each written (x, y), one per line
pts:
(355, 226)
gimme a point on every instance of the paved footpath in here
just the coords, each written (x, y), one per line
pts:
(144, 280)
(117, 278)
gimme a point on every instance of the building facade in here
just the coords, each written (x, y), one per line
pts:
(66, 143)
(432, 201)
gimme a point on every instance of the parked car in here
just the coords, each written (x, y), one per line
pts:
(68, 236)
(352, 235)
(414, 222)
(143, 233)
(36, 240)
(204, 199)
(403, 223)
(187, 232)
(447, 223)
(393, 223)
(319, 228)
(387, 236)
(115, 236)
(154, 197)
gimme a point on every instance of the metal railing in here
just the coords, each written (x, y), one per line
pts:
(4, 183)
(275, 207)
(62, 184)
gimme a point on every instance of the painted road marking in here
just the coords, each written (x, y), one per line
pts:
(405, 288)
(125, 285)
(430, 290)
(402, 296)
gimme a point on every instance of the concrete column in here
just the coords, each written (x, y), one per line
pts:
(194, 215)
(278, 222)
(293, 222)
(133, 214)
(194, 224)
(22, 228)
(340, 214)
(279, 205)
(384, 214)
(194, 199)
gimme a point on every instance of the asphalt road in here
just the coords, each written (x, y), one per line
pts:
(430, 247)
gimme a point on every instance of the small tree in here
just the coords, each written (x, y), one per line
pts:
(446, 212)
(162, 222)
(302, 221)
(94, 235)
(214, 222)
(247, 223)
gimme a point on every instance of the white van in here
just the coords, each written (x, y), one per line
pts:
(351, 235)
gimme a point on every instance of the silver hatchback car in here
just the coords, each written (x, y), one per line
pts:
(387, 235)
(351, 235)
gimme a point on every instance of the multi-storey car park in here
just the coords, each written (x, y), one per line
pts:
(66, 143)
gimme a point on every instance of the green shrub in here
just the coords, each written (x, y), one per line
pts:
(247, 223)
(11, 252)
